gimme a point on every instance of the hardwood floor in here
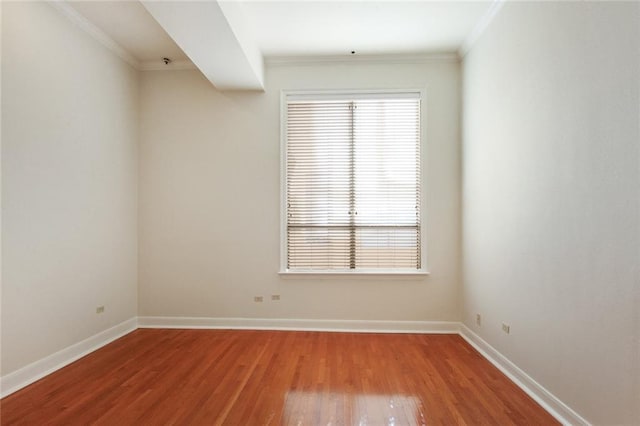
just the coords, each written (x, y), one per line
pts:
(225, 377)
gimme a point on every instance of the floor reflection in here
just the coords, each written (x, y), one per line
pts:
(339, 408)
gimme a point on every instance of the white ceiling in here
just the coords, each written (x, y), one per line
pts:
(228, 39)
(293, 28)
(290, 28)
(130, 25)
(213, 34)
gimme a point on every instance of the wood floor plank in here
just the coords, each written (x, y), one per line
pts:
(225, 377)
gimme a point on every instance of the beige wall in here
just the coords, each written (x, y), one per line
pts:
(69, 185)
(550, 175)
(0, 190)
(209, 201)
(551, 199)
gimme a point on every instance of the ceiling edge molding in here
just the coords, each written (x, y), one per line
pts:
(96, 33)
(480, 27)
(362, 59)
(173, 66)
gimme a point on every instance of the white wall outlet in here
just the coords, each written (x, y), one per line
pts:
(257, 299)
(506, 328)
(478, 319)
(275, 297)
(99, 309)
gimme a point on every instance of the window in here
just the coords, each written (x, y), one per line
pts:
(352, 182)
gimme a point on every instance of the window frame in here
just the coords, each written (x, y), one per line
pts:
(338, 95)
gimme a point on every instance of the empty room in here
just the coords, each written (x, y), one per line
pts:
(260, 212)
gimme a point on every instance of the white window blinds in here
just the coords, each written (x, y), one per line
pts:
(353, 183)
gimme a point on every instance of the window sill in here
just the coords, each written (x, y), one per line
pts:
(356, 275)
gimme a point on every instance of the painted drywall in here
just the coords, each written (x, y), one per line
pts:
(209, 206)
(551, 198)
(0, 190)
(69, 185)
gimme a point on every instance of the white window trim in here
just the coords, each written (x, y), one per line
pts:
(351, 94)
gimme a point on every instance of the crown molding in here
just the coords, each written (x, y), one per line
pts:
(362, 59)
(101, 37)
(88, 27)
(480, 27)
(161, 66)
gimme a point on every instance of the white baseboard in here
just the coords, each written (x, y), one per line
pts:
(37, 370)
(17, 380)
(558, 409)
(442, 327)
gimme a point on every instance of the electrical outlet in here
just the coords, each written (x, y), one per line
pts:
(478, 319)
(99, 309)
(275, 297)
(506, 328)
(257, 299)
